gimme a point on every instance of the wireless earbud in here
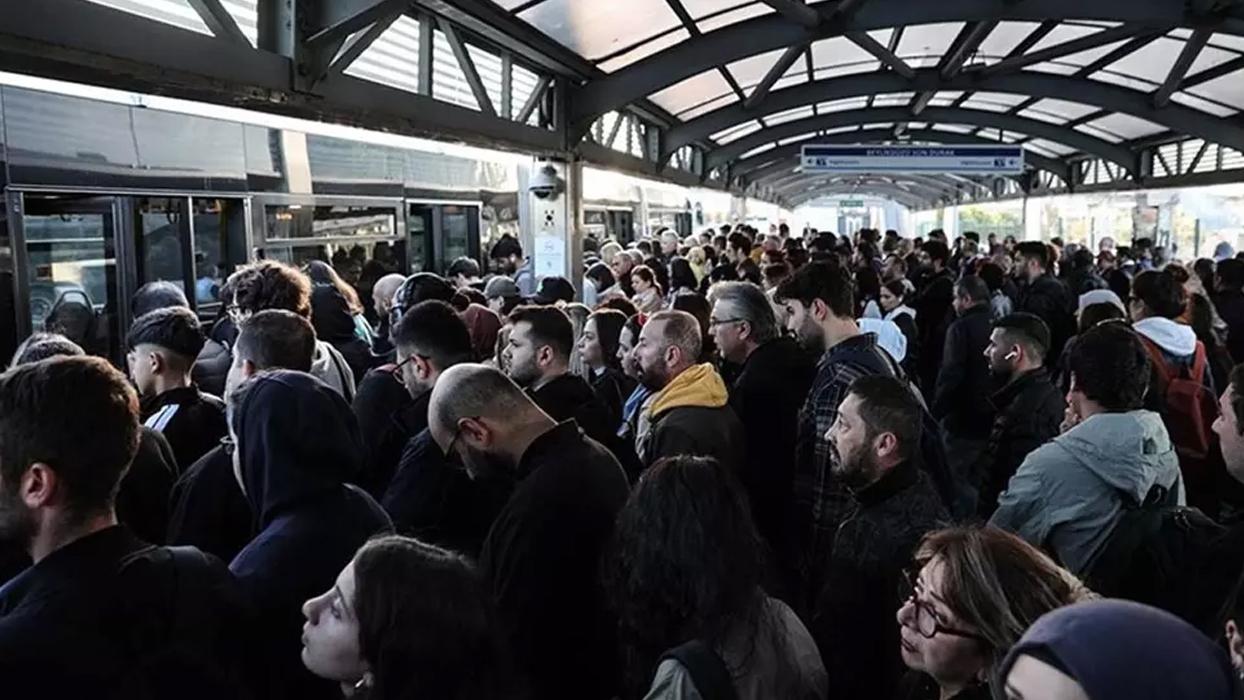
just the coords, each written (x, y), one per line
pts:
(1010, 355)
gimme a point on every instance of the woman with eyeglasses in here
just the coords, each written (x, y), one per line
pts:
(972, 593)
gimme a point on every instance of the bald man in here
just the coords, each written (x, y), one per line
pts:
(540, 557)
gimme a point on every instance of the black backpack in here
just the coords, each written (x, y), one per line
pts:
(707, 670)
(1171, 557)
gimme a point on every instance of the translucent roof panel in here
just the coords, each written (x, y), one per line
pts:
(757, 151)
(1099, 133)
(735, 133)
(752, 70)
(692, 92)
(953, 128)
(789, 115)
(597, 29)
(993, 101)
(1057, 111)
(1152, 62)
(894, 99)
(1052, 147)
(725, 100)
(922, 45)
(175, 12)
(724, 19)
(1213, 108)
(657, 45)
(838, 51)
(1127, 126)
(393, 59)
(1228, 90)
(1005, 37)
(842, 105)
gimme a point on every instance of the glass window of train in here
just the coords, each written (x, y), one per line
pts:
(8, 304)
(219, 248)
(72, 269)
(457, 225)
(161, 233)
(419, 232)
(340, 221)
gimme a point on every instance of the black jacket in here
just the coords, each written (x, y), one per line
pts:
(933, 308)
(613, 387)
(107, 614)
(435, 501)
(191, 421)
(541, 561)
(388, 418)
(964, 381)
(142, 500)
(854, 623)
(910, 363)
(212, 367)
(334, 324)
(1230, 306)
(208, 509)
(570, 396)
(766, 397)
(299, 444)
(1049, 299)
(1029, 411)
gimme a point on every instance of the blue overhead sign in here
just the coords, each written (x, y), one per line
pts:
(965, 159)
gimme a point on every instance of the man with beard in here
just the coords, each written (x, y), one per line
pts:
(876, 434)
(94, 616)
(820, 312)
(689, 412)
(1029, 408)
(539, 561)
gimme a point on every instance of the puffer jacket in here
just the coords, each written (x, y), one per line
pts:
(691, 416)
(1067, 495)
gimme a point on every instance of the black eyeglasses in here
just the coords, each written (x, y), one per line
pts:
(927, 622)
(397, 369)
(719, 321)
(227, 444)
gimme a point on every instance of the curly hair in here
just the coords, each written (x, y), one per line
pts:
(269, 284)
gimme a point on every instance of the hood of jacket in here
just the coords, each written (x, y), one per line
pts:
(1174, 338)
(330, 314)
(1129, 451)
(298, 441)
(699, 386)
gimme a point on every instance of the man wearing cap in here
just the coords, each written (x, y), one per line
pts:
(1029, 409)
(502, 295)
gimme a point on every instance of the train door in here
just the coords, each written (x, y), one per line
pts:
(441, 232)
(70, 268)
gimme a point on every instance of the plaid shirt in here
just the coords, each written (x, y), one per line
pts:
(822, 501)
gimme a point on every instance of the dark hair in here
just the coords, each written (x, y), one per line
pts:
(175, 329)
(601, 275)
(1161, 292)
(1230, 274)
(624, 305)
(427, 626)
(888, 406)
(1082, 259)
(40, 346)
(1035, 250)
(467, 267)
(993, 275)
(277, 339)
(972, 288)
(269, 284)
(739, 241)
(1028, 330)
(646, 274)
(609, 324)
(79, 416)
(936, 250)
(433, 330)
(681, 276)
(1111, 367)
(157, 295)
(505, 247)
(826, 281)
(1237, 395)
(748, 270)
(1094, 314)
(775, 272)
(867, 282)
(685, 563)
(549, 326)
(465, 297)
(898, 288)
(321, 273)
(419, 287)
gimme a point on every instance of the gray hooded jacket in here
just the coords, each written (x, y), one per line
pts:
(1065, 496)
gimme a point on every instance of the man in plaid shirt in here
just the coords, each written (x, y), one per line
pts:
(820, 310)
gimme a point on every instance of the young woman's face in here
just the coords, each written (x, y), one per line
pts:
(951, 659)
(589, 346)
(887, 299)
(640, 284)
(626, 343)
(330, 637)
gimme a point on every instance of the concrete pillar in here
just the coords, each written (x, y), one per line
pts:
(1032, 220)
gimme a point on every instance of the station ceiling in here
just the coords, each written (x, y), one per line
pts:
(743, 83)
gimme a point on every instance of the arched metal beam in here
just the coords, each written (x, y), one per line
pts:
(756, 36)
(918, 190)
(778, 159)
(942, 115)
(856, 188)
(927, 184)
(1185, 120)
(894, 194)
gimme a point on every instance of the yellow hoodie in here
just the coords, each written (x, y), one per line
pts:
(699, 386)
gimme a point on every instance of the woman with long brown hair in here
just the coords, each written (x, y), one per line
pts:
(973, 592)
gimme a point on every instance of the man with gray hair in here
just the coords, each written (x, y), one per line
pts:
(769, 390)
(539, 559)
(382, 300)
(689, 411)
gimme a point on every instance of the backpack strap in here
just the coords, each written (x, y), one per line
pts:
(1158, 360)
(1199, 360)
(708, 671)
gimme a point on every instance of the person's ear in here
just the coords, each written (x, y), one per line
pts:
(157, 362)
(544, 355)
(1235, 644)
(885, 444)
(819, 309)
(248, 368)
(475, 431)
(423, 367)
(38, 485)
(745, 330)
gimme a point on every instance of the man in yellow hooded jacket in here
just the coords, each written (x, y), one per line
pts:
(688, 412)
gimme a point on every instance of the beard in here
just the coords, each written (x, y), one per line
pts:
(811, 337)
(483, 466)
(857, 468)
(524, 374)
(653, 377)
(17, 521)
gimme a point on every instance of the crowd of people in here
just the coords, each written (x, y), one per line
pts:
(738, 464)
